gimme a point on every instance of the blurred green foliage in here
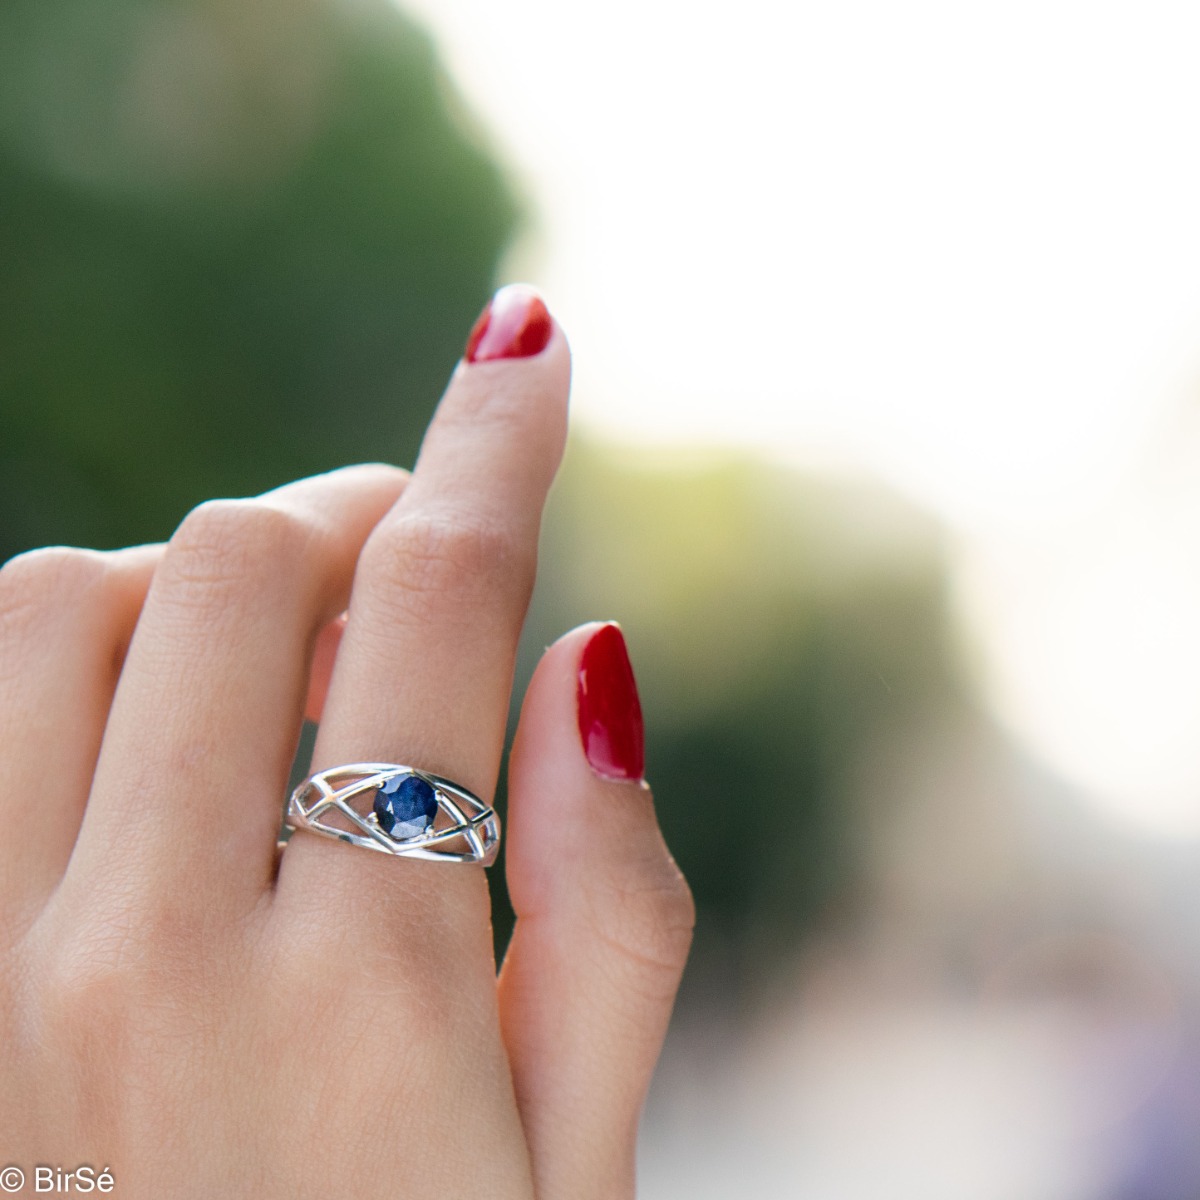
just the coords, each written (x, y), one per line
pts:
(242, 243)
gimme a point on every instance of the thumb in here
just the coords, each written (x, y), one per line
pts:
(604, 919)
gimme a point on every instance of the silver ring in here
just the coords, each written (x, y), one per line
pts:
(399, 810)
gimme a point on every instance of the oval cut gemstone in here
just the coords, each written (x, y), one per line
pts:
(405, 806)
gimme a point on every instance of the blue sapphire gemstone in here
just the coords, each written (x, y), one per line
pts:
(405, 806)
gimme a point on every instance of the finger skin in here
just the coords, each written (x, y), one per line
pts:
(66, 617)
(425, 666)
(185, 803)
(424, 671)
(604, 921)
(423, 677)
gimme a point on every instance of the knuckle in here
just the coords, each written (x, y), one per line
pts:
(102, 976)
(87, 1008)
(419, 559)
(88, 995)
(223, 544)
(648, 921)
(36, 583)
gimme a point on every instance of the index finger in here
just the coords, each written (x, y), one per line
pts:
(424, 672)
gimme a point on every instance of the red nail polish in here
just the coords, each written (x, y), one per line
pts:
(514, 324)
(610, 714)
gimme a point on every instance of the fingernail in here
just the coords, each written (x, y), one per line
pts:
(610, 714)
(515, 323)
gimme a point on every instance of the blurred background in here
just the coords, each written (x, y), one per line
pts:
(887, 425)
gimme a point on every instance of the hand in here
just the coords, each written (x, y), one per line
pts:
(180, 1005)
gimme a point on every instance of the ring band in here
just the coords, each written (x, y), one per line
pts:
(399, 810)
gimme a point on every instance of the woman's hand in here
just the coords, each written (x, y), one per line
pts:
(182, 1007)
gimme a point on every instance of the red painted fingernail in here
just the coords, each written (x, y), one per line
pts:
(515, 323)
(610, 714)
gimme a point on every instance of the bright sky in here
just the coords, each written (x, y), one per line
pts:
(955, 243)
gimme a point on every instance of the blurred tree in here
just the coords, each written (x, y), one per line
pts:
(240, 243)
